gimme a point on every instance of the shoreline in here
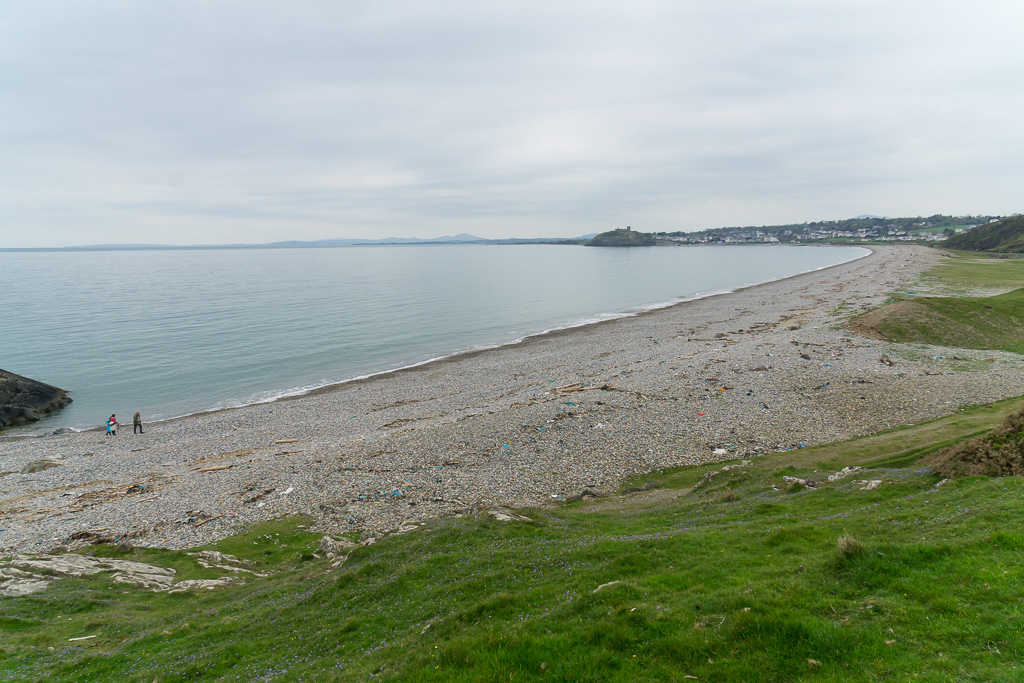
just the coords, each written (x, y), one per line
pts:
(298, 393)
(755, 370)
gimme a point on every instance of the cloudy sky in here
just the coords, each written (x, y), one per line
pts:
(213, 121)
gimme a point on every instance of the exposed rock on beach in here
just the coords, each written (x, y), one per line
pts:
(24, 400)
(573, 413)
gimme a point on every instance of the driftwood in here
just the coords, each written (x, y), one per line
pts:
(207, 520)
(214, 468)
(286, 440)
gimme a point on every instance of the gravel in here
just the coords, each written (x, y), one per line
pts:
(762, 369)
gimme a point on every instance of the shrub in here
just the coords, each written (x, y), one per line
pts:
(996, 454)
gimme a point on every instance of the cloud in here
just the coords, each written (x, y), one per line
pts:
(224, 122)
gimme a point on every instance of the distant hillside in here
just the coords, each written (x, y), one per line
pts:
(622, 238)
(1005, 236)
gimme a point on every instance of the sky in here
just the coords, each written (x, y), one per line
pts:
(200, 122)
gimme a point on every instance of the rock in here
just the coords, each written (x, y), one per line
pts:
(208, 584)
(38, 466)
(211, 559)
(872, 485)
(26, 574)
(794, 480)
(843, 473)
(332, 548)
(886, 360)
(506, 515)
(15, 582)
(24, 400)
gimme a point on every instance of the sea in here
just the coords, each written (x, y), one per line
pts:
(175, 332)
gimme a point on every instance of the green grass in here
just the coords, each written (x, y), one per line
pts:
(748, 586)
(967, 272)
(995, 322)
(962, 319)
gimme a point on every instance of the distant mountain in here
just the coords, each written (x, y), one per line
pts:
(460, 238)
(1005, 237)
(622, 238)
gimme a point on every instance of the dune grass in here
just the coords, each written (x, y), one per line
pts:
(740, 577)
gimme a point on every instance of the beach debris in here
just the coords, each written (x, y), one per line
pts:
(207, 520)
(215, 468)
(281, 441)
(90, 536)
(886, 360)
(287, 491)
(259, 495)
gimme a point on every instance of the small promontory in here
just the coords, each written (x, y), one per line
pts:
(622, 238)
(24, 400)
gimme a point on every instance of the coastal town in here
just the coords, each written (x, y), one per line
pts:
(860, 229)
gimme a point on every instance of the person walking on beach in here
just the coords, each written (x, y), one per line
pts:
(112, 425)
(137, 423)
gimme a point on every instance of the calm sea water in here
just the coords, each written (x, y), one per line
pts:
(175, 332)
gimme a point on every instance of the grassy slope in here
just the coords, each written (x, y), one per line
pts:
(1006, 236)
(995, 322)
(733, 581)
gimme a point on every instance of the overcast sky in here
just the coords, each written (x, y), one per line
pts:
(212, 122)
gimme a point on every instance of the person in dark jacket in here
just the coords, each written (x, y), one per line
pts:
(137, 423)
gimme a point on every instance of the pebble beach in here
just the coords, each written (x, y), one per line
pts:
(737, 375)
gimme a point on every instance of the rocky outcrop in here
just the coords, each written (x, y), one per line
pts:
(24, 400)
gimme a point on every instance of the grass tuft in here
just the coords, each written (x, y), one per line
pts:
(850, 548)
